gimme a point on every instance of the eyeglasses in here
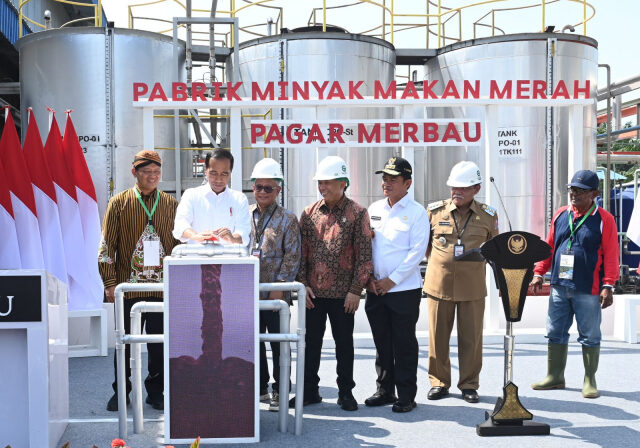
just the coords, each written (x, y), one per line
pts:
(267, 189)
(577, 191)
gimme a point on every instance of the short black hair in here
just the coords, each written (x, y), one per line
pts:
(219, 154)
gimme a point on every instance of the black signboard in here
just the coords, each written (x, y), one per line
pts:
(20, 299)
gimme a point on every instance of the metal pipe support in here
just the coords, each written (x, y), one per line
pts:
(120, 353)
(136, 356)
(300, 348)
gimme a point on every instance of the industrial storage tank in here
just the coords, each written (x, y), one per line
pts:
(526, 180)
(92, 71)
(308, 55)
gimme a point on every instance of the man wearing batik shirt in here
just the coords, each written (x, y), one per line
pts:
(136, 235)
(336, 264)
(275, 239)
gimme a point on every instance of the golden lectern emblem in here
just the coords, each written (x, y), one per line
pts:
(517, 244)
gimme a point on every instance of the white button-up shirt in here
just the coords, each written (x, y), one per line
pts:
(401, 236)
(202, 209)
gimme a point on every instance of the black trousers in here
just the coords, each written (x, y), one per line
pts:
(342, 330)
(270, 321)
(393, 319)
(152, 323)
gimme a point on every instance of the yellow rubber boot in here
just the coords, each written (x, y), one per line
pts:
(590, 358)
(556, 362)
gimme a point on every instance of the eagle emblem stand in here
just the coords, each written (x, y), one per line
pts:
(511, 255)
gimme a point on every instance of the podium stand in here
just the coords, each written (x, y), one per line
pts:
(511, 256)
(34, 391)
(211, 349)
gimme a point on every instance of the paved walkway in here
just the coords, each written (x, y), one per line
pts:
(613, 420)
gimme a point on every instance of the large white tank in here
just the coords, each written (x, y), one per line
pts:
(92, 72)
(526, 180)
(308, 55)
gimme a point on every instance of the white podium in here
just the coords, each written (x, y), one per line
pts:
(34, 379)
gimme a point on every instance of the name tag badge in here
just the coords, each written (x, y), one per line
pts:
(566, 266)
(458, 250)
(444, 223)
(256, 253)
(376, 218)
(151, 250)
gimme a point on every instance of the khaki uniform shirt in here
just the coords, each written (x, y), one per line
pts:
(445, 278)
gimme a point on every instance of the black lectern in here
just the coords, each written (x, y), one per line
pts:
(511, 255)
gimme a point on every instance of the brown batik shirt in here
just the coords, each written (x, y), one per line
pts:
(336, 248)
(124, 222)
(278, 237)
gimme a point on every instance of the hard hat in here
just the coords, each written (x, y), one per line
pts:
(332, 167)
(464, 174)
(267, 169)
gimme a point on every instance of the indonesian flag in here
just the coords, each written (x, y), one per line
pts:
(633, 231)
(80, 294)
(45, 196)
(9, 249)
(87, 204)
(22, 200)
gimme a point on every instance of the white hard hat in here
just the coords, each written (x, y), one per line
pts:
(332, 167)
(267, 169)
(464, 174)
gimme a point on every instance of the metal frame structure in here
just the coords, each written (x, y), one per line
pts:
(392, 21)
(285, 337)
(490, 107)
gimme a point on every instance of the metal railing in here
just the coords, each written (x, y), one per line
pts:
(96, 17)
(393, 21)
(285, 337)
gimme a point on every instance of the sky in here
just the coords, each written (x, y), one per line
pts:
(614, 25)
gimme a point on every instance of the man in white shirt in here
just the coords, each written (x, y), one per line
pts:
(400, 235)
(214, 211)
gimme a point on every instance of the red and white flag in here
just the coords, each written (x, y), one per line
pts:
(80, 296)
(46, 205)
(9, 249)
(87, 204)
(22, 200)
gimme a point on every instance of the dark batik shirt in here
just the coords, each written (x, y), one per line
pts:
(279, 241)
(336, 248)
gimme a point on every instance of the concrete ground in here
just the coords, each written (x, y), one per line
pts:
(613, 420)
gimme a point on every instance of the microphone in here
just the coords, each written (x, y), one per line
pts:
(501, 203)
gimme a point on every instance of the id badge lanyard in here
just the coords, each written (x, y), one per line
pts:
(257, 251)
(146, 210)
(458, 249)
(574, 231)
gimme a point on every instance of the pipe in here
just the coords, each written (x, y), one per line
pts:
(620, 131)
(209, 250)
(620, 87)
(509, 342)
(605, 193)
(136, 356)
(285, 355)
(120, 353)
(300, 346)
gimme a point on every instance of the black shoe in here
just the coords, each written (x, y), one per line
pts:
(274, 404)
(312, 398)
(438, 392)
(403, 406)
(470, 395)
(380, 399)
(156, 402)
(112, 405)
(347, 402)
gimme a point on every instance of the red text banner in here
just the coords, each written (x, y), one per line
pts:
(365, 133)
